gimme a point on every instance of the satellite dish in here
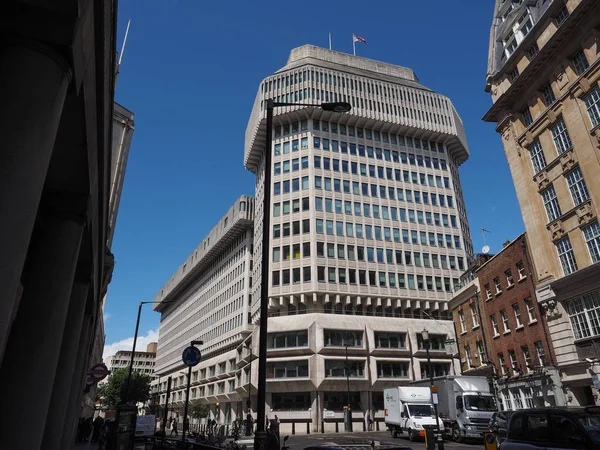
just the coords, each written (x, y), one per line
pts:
(486, 249)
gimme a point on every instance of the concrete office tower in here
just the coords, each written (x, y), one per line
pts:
(369, 232)
(143, 362)
(211, 302)
(543, 76)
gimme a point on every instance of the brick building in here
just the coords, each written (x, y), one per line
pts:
(471, 341)
(516, 331)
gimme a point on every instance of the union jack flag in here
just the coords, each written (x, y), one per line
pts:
(356, 38)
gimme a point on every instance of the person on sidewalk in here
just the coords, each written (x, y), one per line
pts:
(174, 427)
(97, 427)
(249, 424)
(369, 422)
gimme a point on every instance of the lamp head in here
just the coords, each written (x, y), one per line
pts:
(339, 107)
(425, 335)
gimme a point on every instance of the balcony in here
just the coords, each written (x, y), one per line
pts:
(588, 349)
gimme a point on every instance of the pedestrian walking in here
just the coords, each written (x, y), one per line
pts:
(174, 427)
(97, 428)
(369, 422)
(249, 424)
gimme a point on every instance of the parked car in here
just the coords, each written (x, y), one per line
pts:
(499, 424)
(575, 428)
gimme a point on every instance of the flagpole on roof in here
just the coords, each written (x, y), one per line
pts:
(329, 41)
(353, 45)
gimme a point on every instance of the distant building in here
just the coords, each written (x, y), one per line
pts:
(473, 346)
(543, 76)
(143, 362)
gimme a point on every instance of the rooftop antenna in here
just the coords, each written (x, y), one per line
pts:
(486, 248)
(118, 68)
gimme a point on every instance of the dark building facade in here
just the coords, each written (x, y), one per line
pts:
(57, 90)
(516, 331)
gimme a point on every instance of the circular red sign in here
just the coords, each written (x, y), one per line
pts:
(99, 372)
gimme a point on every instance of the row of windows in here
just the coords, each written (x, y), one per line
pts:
(562, 143)
(381, 191)
(591, 235)
(517, 369)
(362, 277)
(357, 310)
(349, 229)
(380, 172)
(384, 212)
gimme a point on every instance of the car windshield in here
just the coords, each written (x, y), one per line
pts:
(480, 403)
(421, 410)
(591, 423)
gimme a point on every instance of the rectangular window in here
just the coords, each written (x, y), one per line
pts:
(509, 277)
(537, 156)
(390, 340)
(591, 233)
(530, 310)
(577, 186)
(562, 15)
(290, 339)
(474, 315)
(287, 369)
(580, 62)
(461, 319)
(526, 356)
(561, 137)
(502, 362)
(505, 323)
(390, 369)
(566, 256)
(521, 269)
(497, 285)
(339, 368)
(548, 94)
(488, 292)
(526, 116)
(541, 354)
(494, 325)
(551, 204)
(517, 312)
(592, 105)
(340, 338)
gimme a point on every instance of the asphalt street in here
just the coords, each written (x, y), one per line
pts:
(299, 442)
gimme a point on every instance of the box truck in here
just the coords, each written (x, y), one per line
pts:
(409, 409)
(466, 405)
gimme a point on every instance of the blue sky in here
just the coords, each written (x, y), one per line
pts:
(190, 73)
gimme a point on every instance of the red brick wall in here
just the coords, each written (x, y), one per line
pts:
(530, 332)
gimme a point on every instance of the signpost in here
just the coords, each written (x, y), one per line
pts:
(99, 372)
(451, 347)
(190, 357)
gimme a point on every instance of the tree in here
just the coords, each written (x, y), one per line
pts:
(113, 392)
(199, 409)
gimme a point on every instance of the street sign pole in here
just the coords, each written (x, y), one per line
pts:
(191, 357)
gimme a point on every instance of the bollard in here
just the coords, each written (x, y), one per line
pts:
(293, 427)
(323, 426)
(337, 429)
(430, 438)
(307, 427)
(377, 425)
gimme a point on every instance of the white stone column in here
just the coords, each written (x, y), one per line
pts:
(66, 373)
(33, 87)
(32, 353)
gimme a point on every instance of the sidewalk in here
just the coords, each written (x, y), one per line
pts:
(94, 446)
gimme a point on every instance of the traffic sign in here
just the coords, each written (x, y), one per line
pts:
(99, 372)
(191, 356)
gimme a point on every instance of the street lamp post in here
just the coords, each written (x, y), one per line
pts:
(260, 438)
(349, 410)
(248, 346)
(427, 344)
(187, 393)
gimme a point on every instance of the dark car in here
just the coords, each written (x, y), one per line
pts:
(499, 424)
(571, 428)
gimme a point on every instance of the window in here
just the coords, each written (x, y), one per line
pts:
(592, 104)
(541, 354)
(584, 312)
(439, 369)
(480, 352)
(562, 15)
(591, 234)
(566, 256)
(509, 278)
(548, 95)
(298, 401)
(461, 318)
(577, 186)
(502, 362)
(291, 339)
(513, 359)
(392, 369)
(494, 325)
(513, 75)
(580, 62)
(505, 323)
(561, 137)
(390, 340)
(532, 51)
(337, 338)
(530, 310)
(497, 285)
(526, 356)
(521, 269)
(537, 156)
(517, 312)
(338, 368)
(488, 291)
(287, 369)
(551, 204)
(468, 356)
(474, 315)
(526, 116)
(437, 342)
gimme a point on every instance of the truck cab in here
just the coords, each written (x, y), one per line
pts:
(409, 409)
(415, 417)
(473, 413)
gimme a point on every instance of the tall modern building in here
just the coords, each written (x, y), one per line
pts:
(368, 232)
(543, 76)
(208, 299)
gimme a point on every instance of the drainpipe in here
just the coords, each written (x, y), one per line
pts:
(457, 349)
